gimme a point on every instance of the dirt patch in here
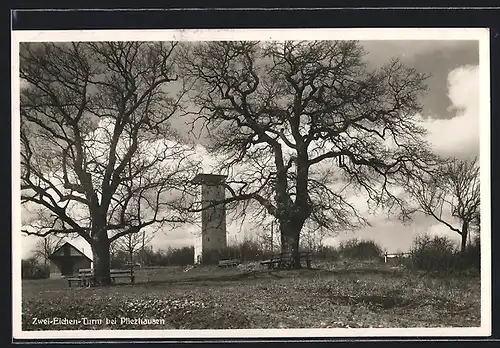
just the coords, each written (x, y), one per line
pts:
(377, 302)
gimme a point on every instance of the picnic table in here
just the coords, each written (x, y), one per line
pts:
(285, 260)
(86, 276)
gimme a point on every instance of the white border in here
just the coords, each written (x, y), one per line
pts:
(482, 35)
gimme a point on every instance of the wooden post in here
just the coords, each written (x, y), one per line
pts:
(142, 252)
(272, 236)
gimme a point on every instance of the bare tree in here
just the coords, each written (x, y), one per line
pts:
(268, 236)
(453, 194)
(46, 247)
(313, 239)
(301, 126)
(98, 153)
(131, 244)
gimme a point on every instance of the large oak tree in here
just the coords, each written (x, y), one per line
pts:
(301, 126)
(98, 154)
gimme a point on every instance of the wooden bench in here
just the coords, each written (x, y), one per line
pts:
(86, 276)
(229, 263)
(285, 260)
(122, 273)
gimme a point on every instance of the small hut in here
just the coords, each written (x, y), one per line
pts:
(67, 260)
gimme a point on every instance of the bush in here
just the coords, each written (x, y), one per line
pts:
(247, 250)
(250, 250)
(433, 253)
(360, 250)
(181, 256)
(119, 259)
(327, 252)
(472, 255)
(31, 269)
(171, 257)
(117, 263)
(212, 257)
(440, 254)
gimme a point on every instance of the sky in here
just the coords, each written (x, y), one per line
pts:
(451, 114)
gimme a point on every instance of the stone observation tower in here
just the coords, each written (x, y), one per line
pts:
(213, 219)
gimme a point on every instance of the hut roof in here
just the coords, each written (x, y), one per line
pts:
(68, 250)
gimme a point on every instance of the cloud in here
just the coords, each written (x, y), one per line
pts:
(380, 50)
(442, 230)
(458, 136)
(433, 57)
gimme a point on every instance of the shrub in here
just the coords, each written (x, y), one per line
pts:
(117, 263)
(181, 256)
(327, 252)
(360, 250)
(433, 253)
(250, 250)
(119, 259)
(31, 269)
(440, 254)
(247, 250)
(212, 257)
(171, 257)
(472, 254)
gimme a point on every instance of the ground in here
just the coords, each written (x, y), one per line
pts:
(249, 297)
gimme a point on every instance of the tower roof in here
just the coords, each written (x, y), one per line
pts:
(209, 179)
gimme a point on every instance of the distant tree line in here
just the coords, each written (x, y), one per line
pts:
(150, 258)
(428, 253)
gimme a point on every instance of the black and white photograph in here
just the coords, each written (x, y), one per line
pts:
(251, 183)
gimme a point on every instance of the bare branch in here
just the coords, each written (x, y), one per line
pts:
(98, 150)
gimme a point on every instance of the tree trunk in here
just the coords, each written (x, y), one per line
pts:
(100, 251)
(290, 233)
(465, 232)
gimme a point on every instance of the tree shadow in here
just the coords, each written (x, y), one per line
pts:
(387, 302)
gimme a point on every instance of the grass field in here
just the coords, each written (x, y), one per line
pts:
(333, 295)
